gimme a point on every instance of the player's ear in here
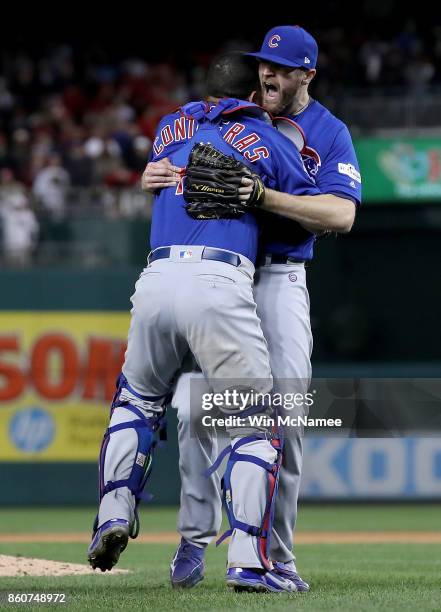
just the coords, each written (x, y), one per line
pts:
(309, 75)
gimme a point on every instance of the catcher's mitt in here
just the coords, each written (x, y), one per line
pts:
(211, 185)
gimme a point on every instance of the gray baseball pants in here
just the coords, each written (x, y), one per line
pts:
(283, 307)
(187, 303)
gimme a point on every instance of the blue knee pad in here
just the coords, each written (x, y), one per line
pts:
(148, 429)
(263, 531)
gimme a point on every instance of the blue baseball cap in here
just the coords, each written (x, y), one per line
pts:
(289, 46)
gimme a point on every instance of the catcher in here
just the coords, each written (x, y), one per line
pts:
(287, 66)
(196, 295)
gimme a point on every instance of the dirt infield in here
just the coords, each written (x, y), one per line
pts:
(316, 537)
(24, 566)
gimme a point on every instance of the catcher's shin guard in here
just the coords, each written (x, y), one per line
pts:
(263, 531)
(149, 425)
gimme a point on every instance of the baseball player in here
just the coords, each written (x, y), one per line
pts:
(196, 295)
(287, 62)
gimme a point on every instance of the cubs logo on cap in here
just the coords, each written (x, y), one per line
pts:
(289, 46)
(274, 41)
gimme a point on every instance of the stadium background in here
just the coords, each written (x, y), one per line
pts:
(77, 117)
(79, 99)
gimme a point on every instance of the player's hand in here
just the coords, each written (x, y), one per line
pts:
(246, 190)
(160, 174)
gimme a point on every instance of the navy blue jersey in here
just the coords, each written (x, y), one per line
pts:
(330, 161)
(234, 127)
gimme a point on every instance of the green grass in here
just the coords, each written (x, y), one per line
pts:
(381, 517)
(343, 577)
(323, 517)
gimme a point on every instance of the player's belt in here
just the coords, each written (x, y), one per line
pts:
(276, 258)
(208, 253)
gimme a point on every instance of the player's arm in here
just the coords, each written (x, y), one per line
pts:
(159, 174)
(339, 182)
(323, 212)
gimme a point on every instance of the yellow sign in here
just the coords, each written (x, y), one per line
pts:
(57, 380)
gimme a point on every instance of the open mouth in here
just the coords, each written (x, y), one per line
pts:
(270, 90)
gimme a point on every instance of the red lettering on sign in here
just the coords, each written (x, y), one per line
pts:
(434, 165)
(61, 350)
(104, 363)
(11, 374)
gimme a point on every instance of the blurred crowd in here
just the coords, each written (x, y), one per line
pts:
(400, 63)
(76, 117)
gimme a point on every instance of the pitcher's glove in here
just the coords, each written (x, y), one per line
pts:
(211, 185)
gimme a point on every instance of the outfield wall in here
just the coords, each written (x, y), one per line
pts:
(372, 468)
(62, 338)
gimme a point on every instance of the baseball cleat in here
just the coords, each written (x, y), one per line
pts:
(187, 567)
(251, 580)
(107, 544)
(281, 570)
